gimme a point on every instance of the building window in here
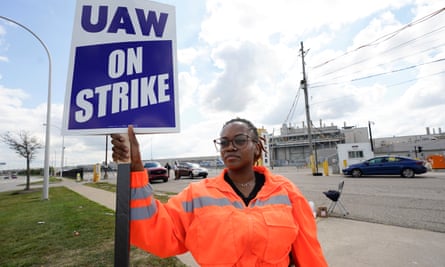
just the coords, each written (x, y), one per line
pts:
(355, 154)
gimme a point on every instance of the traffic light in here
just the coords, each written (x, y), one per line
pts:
(419, 148)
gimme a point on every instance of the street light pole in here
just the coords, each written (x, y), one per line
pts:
(45, 192)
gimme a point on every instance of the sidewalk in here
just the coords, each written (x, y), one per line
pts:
(345, 242)
(108, 199)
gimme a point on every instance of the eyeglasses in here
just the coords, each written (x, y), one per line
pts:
(239, 142)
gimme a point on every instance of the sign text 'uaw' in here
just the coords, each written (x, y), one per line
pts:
(122, 68)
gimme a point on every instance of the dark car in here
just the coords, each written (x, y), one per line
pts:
(156, 171)
(387, 165)
(191, 170)
(12, 176)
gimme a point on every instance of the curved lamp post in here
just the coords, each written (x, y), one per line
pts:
(48, 112)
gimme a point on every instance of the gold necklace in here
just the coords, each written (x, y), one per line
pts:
(244, 185)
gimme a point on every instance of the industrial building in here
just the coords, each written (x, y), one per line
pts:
(291, 145)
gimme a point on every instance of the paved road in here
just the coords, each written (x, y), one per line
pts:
(413, 203)
(15, 184)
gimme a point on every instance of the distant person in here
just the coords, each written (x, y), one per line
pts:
(245, 216)
(168, 167)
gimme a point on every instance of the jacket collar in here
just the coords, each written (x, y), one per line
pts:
(271, 182)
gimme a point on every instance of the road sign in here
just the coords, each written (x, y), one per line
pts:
(122, 68)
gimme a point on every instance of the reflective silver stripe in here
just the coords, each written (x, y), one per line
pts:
(141, 192)
(142, 213)
(281, 199)
(201, 202)
(145, 212)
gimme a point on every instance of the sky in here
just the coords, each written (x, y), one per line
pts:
(365, 61)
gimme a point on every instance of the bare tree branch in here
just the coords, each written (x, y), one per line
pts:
(25, 145)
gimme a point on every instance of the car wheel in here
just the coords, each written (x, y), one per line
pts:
(204, 176)
(191, 175)
(356, 173)
(407, 173)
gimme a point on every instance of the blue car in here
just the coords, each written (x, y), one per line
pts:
(387, 165)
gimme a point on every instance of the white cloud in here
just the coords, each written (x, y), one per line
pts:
(242, 58)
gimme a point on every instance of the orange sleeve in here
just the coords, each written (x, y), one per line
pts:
(306, 250)
(154, 227)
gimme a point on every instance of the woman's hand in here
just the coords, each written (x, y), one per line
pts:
(123, 153)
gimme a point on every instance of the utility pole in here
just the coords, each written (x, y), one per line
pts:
(303, 85)
(370, 135)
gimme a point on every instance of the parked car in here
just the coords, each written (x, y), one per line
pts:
(10, 175)
(156, 171)
(191, 170)
(387, 165)
(219, 163)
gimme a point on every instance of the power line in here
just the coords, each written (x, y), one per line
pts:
(384, 37)
(316, 85)
(320, 84)
(339, 79)
(372, 57)
(291, 113)
(411, 42)
(342, 98)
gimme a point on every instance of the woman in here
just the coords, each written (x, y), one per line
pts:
(246, 216)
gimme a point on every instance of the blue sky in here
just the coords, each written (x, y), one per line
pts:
(241, 58)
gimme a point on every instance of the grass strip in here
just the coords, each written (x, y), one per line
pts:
(67, 230)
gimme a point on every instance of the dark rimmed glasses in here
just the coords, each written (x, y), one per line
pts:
(239, 141)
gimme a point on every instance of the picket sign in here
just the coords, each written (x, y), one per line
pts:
(122, 69)
(122, 72)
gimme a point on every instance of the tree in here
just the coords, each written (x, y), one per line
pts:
(25, 145)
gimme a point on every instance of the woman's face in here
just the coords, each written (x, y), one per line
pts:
(239, 155)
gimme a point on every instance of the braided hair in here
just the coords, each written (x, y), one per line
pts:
(256, 138)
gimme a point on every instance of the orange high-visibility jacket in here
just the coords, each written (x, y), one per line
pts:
(212, 222)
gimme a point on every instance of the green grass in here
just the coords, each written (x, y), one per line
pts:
(161, 195)
(103, 186)
(52, 180)
(36, 232)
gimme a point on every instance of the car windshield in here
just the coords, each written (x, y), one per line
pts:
(152, 165)
(194, 165)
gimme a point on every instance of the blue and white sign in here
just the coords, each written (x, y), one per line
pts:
(122, 68)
